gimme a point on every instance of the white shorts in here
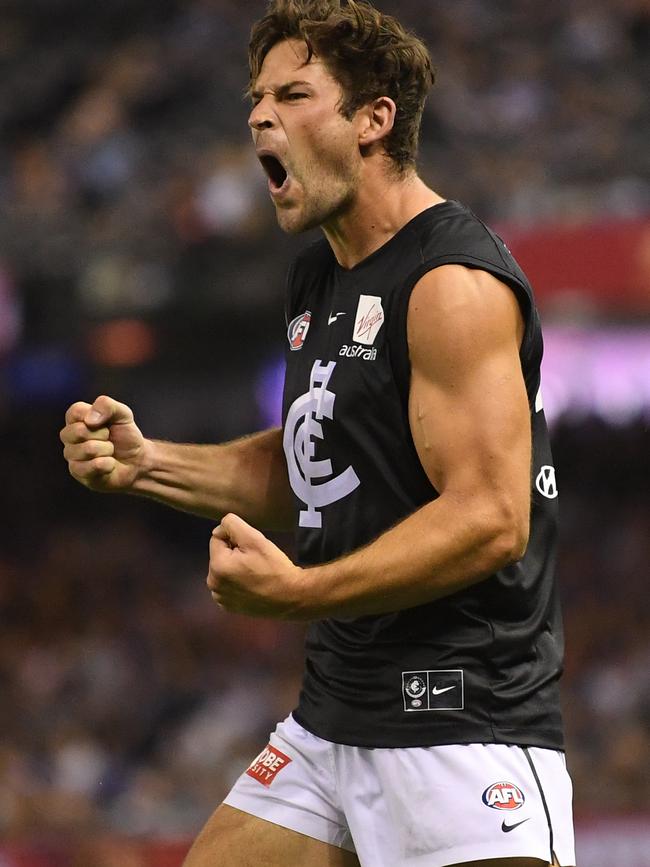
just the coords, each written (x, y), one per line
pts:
(413, 807)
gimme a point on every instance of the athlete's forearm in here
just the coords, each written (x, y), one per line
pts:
(246, 476)
(443, 547)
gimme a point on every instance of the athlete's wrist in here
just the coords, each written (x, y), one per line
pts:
(297, 594)
(150, 460)
(313, 601)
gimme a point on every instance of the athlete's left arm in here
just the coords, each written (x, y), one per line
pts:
(470, 422)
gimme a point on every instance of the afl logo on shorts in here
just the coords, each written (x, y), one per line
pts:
(503, 796)
(298, 329)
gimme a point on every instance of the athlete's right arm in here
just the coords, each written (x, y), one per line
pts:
(107, 452)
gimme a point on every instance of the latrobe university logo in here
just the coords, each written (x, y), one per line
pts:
(302, 428)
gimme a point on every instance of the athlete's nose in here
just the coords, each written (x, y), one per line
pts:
(260, 118)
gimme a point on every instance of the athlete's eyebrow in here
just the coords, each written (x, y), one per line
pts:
(281, 90)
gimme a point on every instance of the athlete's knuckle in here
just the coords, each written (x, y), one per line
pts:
(96, 449)
(76, 411)
(87, 449)
(78, 432)
(67, 434)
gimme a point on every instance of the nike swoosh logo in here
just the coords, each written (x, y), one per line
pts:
(437, 691)
(507, 828)
(331, 318)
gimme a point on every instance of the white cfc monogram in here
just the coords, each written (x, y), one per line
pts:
(303, 427)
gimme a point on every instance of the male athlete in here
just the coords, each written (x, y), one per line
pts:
(415, 469)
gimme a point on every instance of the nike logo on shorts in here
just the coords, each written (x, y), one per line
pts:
(507, 828)
(332, 318)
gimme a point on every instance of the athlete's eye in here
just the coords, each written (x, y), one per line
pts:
(295, 95)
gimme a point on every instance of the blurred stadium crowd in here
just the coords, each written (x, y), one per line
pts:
(127, 185)
(130, 702)
(138, 256)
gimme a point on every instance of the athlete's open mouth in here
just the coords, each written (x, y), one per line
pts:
(274, 169)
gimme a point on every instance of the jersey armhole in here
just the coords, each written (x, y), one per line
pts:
(399, 355)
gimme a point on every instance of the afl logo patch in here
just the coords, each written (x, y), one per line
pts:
(298, 329)
(503, 796)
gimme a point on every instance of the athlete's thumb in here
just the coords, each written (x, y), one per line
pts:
(106, 411)
(237, 532)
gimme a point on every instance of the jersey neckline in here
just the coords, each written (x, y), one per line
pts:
(394, 239)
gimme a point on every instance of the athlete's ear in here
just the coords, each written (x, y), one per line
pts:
(377, 120)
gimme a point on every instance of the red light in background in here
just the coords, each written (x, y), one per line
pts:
(122, 343)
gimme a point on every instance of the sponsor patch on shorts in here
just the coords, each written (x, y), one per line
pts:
(267, 765)
(442, 689)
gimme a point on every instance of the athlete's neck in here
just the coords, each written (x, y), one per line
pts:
(379, 210)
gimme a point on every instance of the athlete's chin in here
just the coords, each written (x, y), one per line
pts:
(294, 222)
(291, 227)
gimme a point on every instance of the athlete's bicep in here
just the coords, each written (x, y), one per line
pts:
(468, 407)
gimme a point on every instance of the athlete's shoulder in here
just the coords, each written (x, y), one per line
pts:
(451, 233)
(452, 227)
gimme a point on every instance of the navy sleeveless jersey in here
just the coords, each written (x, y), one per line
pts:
(481, 665)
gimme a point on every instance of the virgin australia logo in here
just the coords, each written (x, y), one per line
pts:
(302, 428)
(369, 319)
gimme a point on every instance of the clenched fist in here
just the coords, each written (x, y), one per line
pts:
(103, 446)
(250, 575)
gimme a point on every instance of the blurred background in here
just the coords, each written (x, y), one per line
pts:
(139, 257)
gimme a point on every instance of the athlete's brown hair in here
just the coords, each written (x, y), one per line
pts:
(370, 55)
